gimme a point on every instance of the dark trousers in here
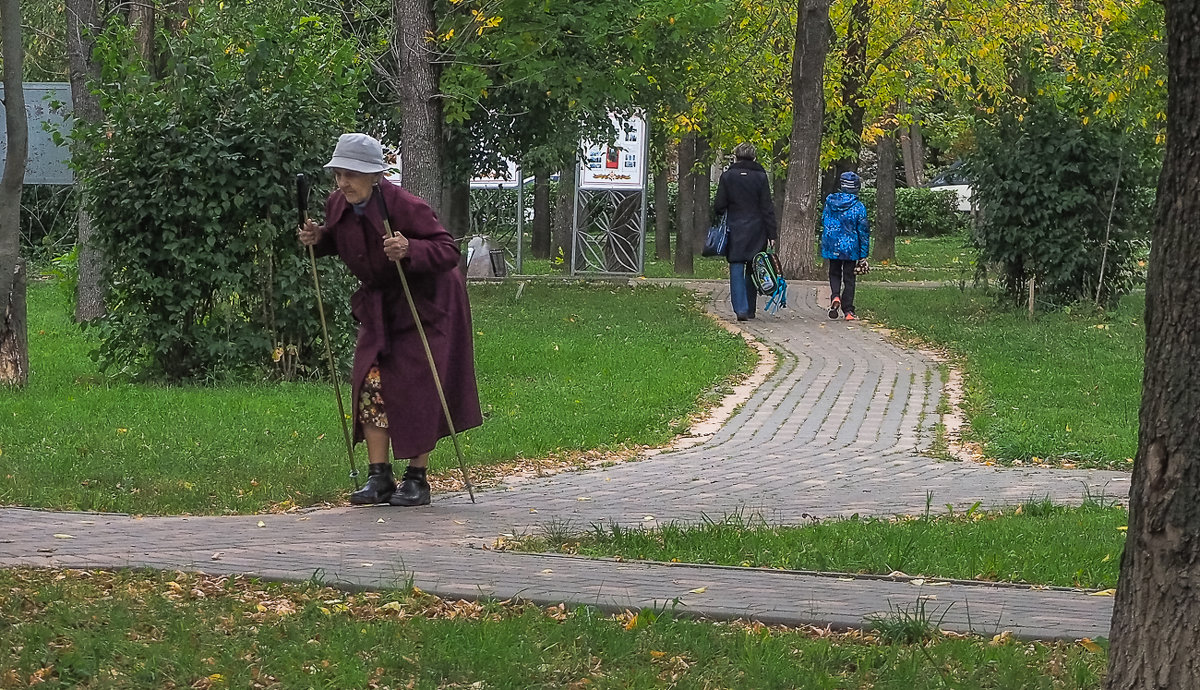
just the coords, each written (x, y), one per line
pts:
(841, 282)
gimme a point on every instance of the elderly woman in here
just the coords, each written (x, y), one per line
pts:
(744, 193)
(396, 401)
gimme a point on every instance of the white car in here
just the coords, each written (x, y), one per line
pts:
(955, 180)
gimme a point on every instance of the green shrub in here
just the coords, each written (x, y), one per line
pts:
(192, 182)
(1044, 185)
(921, 212)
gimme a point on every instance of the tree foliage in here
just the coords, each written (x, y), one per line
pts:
(192, 190)
(1058, 200)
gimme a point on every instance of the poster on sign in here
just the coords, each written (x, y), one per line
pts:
(619, 164)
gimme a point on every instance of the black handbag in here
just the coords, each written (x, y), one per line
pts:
(717, 242)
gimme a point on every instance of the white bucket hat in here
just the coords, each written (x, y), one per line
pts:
(358, 152)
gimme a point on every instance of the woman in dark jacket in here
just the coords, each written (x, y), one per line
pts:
(396, 402)
(745, 194)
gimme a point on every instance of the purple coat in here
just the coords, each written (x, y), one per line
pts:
(387, 333)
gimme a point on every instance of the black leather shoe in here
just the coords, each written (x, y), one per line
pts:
(379, 486)
(413, 490)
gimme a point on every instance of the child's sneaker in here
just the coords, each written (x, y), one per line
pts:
(850, 316)
(834, 307)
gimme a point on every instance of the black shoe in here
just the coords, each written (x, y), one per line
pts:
(414, 489)
(743, 317)
(379, 487)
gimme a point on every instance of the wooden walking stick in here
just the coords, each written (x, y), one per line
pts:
(437, 380)
(302, 212)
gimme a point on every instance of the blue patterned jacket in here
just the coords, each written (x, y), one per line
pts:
(845, 234)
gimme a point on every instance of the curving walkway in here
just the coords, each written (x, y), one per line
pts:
(839, 427)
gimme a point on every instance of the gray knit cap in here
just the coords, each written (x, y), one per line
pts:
(358, 152)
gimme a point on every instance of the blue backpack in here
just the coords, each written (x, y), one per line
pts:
(768, 278)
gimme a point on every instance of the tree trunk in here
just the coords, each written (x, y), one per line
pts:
(662, 214)
(564, 217)
(141, 18)
(421, 111)
(456, 207)
(13, 347)
(702, 186)
(82, 24)
(540, 244)
(884, 231)
(799, 219)
(175, 14)
(779, 175)
(1156, 618)
(685, 199)
(912, 145)
(854, 79)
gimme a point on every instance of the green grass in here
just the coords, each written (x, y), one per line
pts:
(945, 259)
(917, 259)
(152, 630)
(1042, 544)
(705, 267)
(1064, 387)
(562, 369)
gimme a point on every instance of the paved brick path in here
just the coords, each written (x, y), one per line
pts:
(838, 428)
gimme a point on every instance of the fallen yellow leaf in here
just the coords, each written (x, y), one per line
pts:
(657, 654)
(698, 590)
(1090, 646)
(392, 606)
(632, 622)
(1103, 593)
(64, 536)
(261, 523)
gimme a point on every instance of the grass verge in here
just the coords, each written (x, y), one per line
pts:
(938, 259)
(96, 629)
(1035, 543)
(1062, 389)
(562, 370)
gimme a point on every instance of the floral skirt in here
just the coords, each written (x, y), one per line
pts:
(370, 400)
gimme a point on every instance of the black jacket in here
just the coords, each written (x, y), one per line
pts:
(745, 194)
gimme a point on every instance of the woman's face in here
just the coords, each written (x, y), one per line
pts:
(355, 185)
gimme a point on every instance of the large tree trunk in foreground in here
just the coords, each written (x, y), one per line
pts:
(883, 235)
(800, 218)
(685, 201)
(14, 352)
(421, 111)
(82, 25)
(1156, 619)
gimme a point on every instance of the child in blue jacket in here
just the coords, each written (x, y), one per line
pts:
(845, 241)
